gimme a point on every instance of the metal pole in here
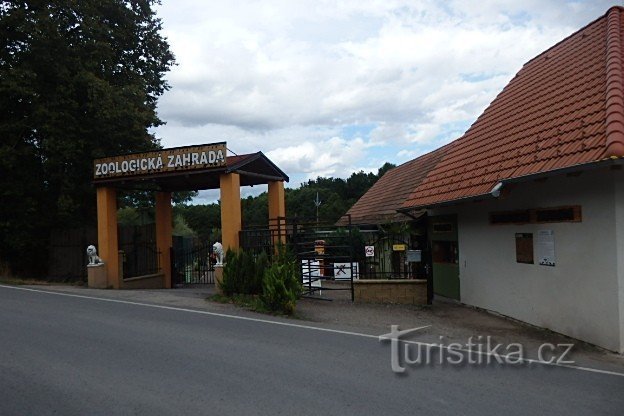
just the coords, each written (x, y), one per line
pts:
(351, 256)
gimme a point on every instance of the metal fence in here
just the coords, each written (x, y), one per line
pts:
(140, 255)
(324, 253)
(67, 252)
(330, 255)
(391, 255)
(192, 261)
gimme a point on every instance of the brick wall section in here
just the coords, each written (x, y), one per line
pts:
(408, 292)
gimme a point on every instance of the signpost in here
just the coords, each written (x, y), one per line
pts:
(160, 161)
(369, 251)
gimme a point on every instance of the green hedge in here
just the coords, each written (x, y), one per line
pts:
(243, 273)
(276, 284)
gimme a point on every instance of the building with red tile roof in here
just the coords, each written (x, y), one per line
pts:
(564, 109)
(381, 204)
(525, 211)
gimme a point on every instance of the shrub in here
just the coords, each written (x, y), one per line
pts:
(277, 285)
(231, 272)
(277, 295)
(255, 267)
(280, 286)
(243, 273)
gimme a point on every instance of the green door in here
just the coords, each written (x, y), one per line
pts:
(444, 255)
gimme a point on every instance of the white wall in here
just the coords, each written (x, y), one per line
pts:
(619, 218)
(583, 295)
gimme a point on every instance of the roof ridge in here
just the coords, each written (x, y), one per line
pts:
(615, 85)
(620, 8)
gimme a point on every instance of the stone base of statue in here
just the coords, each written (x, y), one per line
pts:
(218, 276)
(96, 276)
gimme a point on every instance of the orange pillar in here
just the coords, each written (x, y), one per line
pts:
(277, 211)
(231, 218)
(107, 234)
(164, 234)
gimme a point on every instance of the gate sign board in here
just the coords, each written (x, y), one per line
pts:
(342, 271)
(369, 251)
(176, 159)
(414, 256)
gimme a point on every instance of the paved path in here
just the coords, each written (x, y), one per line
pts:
(72, 355)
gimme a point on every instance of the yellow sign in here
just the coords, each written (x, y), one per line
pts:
(319, 246)
(165, 160)
(399, 247)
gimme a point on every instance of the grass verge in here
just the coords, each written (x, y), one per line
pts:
(249, 302)
(16, 281)
(19, 281)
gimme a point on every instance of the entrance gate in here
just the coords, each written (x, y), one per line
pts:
(325, 253)
(139, 252)
(165, 171)
(192, 262)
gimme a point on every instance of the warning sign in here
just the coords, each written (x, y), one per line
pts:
(344, 271)
(370, 251)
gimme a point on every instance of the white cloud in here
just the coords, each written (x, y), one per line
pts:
(333, 157)
(291, 78)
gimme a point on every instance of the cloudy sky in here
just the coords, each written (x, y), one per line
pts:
(332, 87)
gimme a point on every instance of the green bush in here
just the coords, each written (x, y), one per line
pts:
(243, 273)
(280, 286)
(231, 272)
(255, 266)
(276, 294)
(277, 285)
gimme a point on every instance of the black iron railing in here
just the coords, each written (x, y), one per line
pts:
(140, 255)
(192, 261)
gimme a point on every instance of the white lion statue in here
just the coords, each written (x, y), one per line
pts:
(93, 257)
(217, 249)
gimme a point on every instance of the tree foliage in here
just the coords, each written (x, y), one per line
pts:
(78, 80)
(337, 195)
(205, 220)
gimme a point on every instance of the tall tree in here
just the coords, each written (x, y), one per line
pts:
(78, 80)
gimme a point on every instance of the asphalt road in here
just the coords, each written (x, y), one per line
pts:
(76, 356)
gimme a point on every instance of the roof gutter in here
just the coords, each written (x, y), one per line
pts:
(257, 175)
(496, 190)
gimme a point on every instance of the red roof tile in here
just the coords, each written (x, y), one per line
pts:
(381, 202)
(234, 160)
(565, 107)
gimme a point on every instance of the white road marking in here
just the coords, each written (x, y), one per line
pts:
(292, 325)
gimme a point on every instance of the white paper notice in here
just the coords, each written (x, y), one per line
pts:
(546, 247)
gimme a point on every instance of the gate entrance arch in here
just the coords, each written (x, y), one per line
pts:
(189, 168)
